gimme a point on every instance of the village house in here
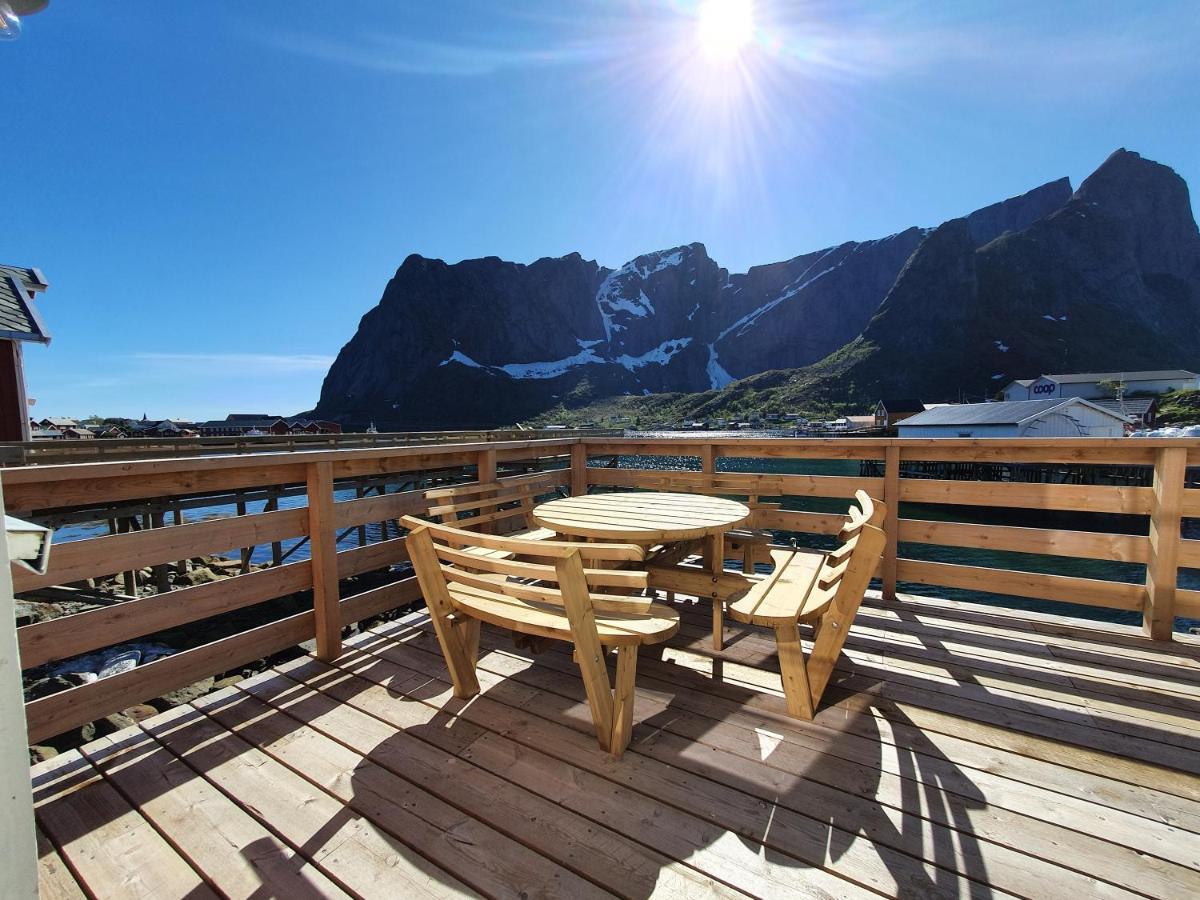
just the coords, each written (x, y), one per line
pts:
(1098, 385)
(891, 410)
(250, 424)
(1073, 417)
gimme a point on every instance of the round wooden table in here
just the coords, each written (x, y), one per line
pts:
(647, 518)
(642, 517)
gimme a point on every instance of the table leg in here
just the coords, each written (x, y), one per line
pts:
(714, 560)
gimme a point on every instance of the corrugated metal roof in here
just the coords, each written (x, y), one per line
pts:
(1006, 413)
(1156, 375)
(1133, 406)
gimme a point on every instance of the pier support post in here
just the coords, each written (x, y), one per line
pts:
(1162, 570)
(891, 521)
(323, 546)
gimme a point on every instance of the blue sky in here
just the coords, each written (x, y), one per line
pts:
(218, 191)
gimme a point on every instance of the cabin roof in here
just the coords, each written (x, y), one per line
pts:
(902, 404)
(1131, 406)
(19, 319)
(1010, 412)
(1153, 375)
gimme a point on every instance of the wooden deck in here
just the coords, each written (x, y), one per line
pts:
(961, 751)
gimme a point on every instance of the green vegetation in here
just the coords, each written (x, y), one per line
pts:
(1179, 408)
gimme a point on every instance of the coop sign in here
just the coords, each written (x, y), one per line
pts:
(1045, 388)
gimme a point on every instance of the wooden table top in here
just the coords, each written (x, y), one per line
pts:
(641, 517)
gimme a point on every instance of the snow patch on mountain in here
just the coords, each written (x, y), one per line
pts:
(800, 284)
(462, 359)
(717, 376)
(660, 355)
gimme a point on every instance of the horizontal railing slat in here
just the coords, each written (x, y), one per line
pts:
(1035, 585)
(77, 706)
(1091, 498)
(1048, 541)
(84, 632)
(77, 560)
(764, 484)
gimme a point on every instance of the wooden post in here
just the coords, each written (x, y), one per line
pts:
(578, 470)
(708, 458)
(1162, 570)
(891, 521)
(359, 493)
(161, 584)
(323, 546)
(177, 519)
(272, 505)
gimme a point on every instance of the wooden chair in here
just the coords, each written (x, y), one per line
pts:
(506, 508)
(542, 588)
(824, 589)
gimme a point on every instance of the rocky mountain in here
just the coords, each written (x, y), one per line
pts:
(488, 342)
(1109, 281)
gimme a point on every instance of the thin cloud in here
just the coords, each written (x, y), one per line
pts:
(235, 364)
(405, 56)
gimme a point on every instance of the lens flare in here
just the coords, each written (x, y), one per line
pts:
(724, 28)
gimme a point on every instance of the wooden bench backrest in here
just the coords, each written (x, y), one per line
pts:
(842, 581)
(547, 572)
(477, 504)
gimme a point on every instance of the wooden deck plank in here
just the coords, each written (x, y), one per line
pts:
(597, 853)
(876, 865)
(962, 750)
(239, 856)
(679, 835)
(884, 657)
(350, 849)
(112, 849)
(733, 856)
(487, 860)
(55, 881)
(711, 740)
(1067, 731)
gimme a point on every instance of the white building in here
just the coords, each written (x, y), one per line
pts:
(1087, 384)
(1073, 417)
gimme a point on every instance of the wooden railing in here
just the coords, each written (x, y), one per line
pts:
(579, 464)
(38, 491)
(1161, 505)
(54, 452)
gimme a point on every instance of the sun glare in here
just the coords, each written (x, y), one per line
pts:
(724, 27)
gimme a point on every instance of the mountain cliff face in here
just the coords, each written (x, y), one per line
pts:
(486, 342)
(1110, 281)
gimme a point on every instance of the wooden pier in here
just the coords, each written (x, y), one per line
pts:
(963, 750)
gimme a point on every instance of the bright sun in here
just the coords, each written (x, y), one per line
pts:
(724, 27)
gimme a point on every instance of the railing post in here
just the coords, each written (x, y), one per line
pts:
(486, 464)
(323, 544)
(708, 458)
(891, 522)
(578, 470)
(1162, 570)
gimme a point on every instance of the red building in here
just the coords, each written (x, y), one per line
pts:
(19, 323)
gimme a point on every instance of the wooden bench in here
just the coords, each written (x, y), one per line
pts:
(503, 507)
(542, 588)
(824, 589)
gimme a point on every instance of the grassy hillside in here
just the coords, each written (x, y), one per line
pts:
(1180, 408)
